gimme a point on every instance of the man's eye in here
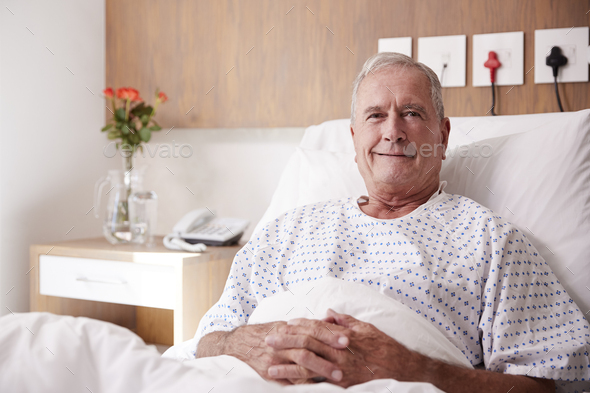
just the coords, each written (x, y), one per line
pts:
(412, 114)
(375, 115)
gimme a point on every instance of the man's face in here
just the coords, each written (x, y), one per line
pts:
(398, 139)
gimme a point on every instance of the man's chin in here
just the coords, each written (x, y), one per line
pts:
(396, 181)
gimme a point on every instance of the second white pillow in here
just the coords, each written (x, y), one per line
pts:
(312, 299)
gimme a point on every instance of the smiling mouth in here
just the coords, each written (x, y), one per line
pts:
(394, 155)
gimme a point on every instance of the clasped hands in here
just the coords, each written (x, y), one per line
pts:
(338, 349)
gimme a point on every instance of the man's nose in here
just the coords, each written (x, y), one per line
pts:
(394, 130)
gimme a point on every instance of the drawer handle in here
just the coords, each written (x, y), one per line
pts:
(120, 282)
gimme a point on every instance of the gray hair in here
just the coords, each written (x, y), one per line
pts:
(390, 59)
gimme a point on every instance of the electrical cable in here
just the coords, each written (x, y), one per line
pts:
(492, 63)
(442, 73)
(557, 95)
(556, 60)
(493, 98)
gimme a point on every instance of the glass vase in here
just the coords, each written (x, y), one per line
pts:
(116, 189)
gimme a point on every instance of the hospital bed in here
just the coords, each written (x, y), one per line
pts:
(532, 169)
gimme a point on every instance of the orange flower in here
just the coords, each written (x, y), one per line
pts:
(128, 93)
(162, 97)
(108, 92)
(122, 92)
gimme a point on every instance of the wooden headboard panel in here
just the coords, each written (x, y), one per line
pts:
(275, 63)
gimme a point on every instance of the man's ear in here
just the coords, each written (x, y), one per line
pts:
(352, 135)
(445, 129)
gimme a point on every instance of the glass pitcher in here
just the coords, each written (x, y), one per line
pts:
(117, 186)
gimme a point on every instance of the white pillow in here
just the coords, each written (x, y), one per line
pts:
(540, 172)
(327, 175)
(540, 181)
(333, 140)
(465, 130)
(333, 135)
(312, 299)
(327, 148)
(314, 176)
(287, 193)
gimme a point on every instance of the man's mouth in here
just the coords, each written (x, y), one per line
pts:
(394, 155)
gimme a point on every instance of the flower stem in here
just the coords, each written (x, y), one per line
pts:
(127, 109)
(154, 109)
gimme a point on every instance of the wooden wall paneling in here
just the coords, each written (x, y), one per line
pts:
(299, 70)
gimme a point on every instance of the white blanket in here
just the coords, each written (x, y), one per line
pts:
(41, 352)
(50, 353)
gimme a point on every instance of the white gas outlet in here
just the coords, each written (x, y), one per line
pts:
(401, 45)
(435, 52)
(509, 48)
(573, 42)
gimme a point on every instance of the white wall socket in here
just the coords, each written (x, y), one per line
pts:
(401, 45)
(573, 42)
(436, 51)
(510, 50)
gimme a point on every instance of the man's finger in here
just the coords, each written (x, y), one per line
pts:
(334, 336)
(298, 341)
(315, 365)
(308, 365)
(302, 381)
(342, 319)
(292, 373)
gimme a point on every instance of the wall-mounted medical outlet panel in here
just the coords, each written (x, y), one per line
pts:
(401, 45)
(450, 50)
(509, 48)
(573, 43)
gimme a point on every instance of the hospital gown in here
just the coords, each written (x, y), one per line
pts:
(472, 274)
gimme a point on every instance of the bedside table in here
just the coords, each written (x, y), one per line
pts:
(158, 293)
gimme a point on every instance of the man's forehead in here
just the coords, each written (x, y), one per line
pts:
(397, 78)
(408, 84)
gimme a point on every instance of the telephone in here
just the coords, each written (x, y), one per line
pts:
(200, 228)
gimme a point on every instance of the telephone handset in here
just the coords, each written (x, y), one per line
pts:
(200, 228)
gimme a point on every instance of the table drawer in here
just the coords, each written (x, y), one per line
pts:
(107, 281)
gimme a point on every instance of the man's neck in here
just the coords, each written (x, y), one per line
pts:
(391, 204)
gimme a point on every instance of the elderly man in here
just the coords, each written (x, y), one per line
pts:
(472, 274)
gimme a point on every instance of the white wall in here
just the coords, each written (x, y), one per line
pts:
(50, 140)
(231, 171)
(51, 147)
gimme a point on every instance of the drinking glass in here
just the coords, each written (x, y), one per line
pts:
(143, 214)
